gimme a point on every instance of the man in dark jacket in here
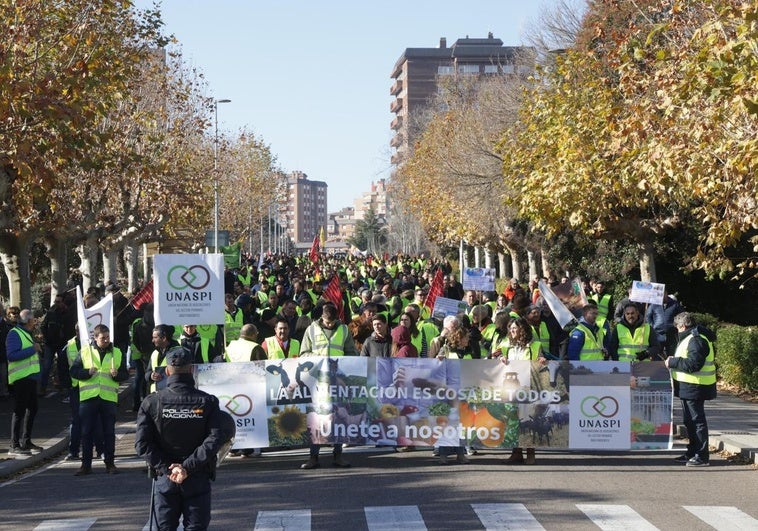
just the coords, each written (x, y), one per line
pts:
(379, 343)
(694, 374)
(56, 331)
(180, 431)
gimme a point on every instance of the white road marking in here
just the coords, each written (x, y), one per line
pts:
(616, 517)
(505, 516)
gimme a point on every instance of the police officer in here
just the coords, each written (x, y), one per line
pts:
(180, 430)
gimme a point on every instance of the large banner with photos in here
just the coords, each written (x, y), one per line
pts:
(425, 402)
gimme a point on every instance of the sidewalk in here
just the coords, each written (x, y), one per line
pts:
(733, 425)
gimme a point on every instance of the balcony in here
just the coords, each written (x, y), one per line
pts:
(396, 140)
(397, 158)
(397, 123)
(397, 86)
(396, 105)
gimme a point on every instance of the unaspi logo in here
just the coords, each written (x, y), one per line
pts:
(593, 407)
(196, 277)
(239, 406)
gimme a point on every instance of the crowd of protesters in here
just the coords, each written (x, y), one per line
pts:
(281, 306)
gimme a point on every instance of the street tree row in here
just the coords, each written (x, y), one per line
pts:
(640, 131)
(105, 144)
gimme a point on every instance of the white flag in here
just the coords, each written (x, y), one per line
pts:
(89, 318)
(561, 312)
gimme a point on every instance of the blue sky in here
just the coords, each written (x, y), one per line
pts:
(312, 77)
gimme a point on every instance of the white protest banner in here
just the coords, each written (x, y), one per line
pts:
(647, 292)
(189, 288)
(424, 401)
(89, 318)
(444, 307)
(241, 392)
(479, 279)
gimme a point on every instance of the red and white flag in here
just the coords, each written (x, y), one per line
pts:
(435, 289)
(143, 296)
(333, 293)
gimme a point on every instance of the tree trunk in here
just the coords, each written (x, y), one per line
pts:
(533, 271)
(501, 265)
(10, 265)
(88, 252)
(515, 263)
(146, 271)
(131, 256)
(477, 259)
(507, 265)
(646, 255)
(487, 258)
(110, 266)
(461, 260)
(546, 271)
(14, 253)
(56, 252)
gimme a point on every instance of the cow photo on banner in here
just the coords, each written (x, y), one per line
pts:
(189, 288)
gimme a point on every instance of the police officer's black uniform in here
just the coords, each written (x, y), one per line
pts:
(181, 425)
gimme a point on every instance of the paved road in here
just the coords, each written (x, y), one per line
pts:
(389, 491)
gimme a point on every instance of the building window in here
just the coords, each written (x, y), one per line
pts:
(468, 69)
(508, 69)
(490, 69)
(444, 70)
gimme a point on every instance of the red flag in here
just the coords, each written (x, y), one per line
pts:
(314, 250)
(143, 296)
(333, 293)
(435, 289)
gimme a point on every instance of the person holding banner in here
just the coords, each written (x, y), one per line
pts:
(99, 368)
(280, 345)
(694, 374)
(633, 339)
(589, 341)
(330, 338)
(246, 347)
(522, 346)
(163, 340)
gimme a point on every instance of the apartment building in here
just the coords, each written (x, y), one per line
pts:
(417, 72)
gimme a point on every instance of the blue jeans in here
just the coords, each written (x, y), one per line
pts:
(693, 413)
(75, 430)
(93, 412)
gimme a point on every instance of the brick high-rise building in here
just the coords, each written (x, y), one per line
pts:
(417, 71)
(306, 207)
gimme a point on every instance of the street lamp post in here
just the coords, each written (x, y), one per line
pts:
(215, 173)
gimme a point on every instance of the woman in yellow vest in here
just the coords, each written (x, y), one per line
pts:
(99, 368)
(521, 346)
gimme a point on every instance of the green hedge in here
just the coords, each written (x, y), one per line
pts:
(737, 356)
